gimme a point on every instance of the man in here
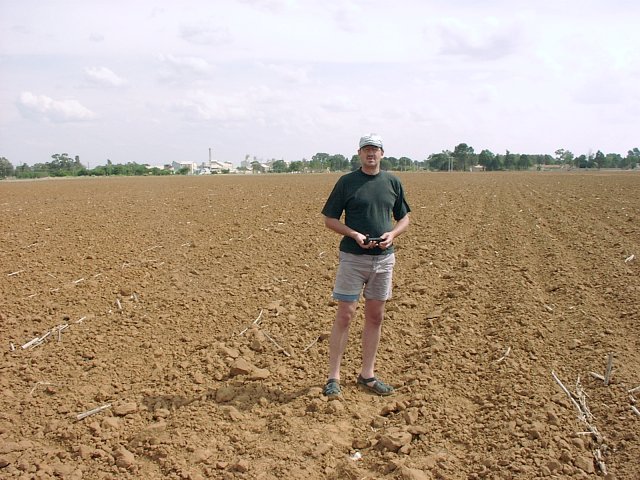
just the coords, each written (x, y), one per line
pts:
(370, 199)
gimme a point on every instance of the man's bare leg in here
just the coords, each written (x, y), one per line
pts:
(339, 336)
(373, 316)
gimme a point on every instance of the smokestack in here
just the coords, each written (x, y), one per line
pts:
(209, 154)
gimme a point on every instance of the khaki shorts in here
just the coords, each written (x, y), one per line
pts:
(373, 272)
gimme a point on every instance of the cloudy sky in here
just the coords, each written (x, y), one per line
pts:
(153, 81)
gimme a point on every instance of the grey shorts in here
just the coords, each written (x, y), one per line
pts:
(373, 272)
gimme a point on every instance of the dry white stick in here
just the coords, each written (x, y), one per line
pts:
(255, 322)
(599, 460)
(119, 304)
(573, 400)
(311, 344)
(629, 258)
(276, 344)
(587, 418)
(88, 413)
(80, 320)
(607, 373)
(12, 347)
(45, 336)
(36, 386)
(152, 248)
(39, 340)
(30, 343)
(59, 330)
(597, 375)
(33, 295)
(634, 389)
(506, 354)
(14, 273)
(79, 280)
(635, 410)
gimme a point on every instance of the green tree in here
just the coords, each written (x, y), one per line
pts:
(632, 158)
(599, 160)
(405, 163)
(320, 161)
(279, 166)
(391, 162)
(40, 170)
(488, 160)
(441, 161)
(296, 166)
(523, 162)
(23, 171)
(337, 163)
(256, 167)
(613, 160)
(385, 164)
(355, 162)
(567, 158)
(463, 156)
(581, 161)
(62, 165)
(6, 168)
(509, 161)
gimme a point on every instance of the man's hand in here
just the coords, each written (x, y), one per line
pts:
(387, 240)
(363, 241)
(384, 241)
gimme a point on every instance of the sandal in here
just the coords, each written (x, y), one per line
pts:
(331, 388)
(378, 387)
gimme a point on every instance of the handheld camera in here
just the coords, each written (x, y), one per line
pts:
(372, 239)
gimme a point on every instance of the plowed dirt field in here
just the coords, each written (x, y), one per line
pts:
(187, 317)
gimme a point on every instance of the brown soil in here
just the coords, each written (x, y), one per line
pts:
(177, 290)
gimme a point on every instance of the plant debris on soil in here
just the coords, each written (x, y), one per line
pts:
(176, 328)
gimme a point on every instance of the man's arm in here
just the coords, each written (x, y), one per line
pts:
(399, 228)
(337, 226)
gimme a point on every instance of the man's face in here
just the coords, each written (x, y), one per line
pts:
(370, 156)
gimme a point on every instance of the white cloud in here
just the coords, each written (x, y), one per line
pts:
(481, 40)
(289, 73)
(103, 76)
(205, 35)
(338, 104)
(347, 16)
(271, 6)
(300, 76)
(181, 68)
(607, 88)
(225, 109)
(42, 107)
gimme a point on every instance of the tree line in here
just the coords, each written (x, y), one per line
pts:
(62, 165)
(462, 158)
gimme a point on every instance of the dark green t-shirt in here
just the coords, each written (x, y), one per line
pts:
(370, 204)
